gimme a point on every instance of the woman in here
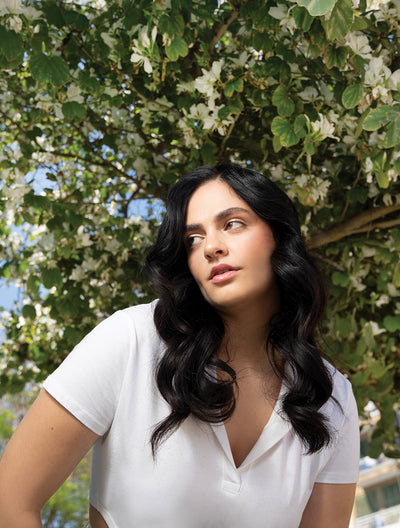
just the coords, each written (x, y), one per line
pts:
(211, 407)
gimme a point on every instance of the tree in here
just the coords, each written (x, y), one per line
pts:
(108, 102)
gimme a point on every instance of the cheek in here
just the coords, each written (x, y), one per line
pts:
(193, 266)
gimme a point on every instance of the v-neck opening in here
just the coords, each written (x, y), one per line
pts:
(276, 427)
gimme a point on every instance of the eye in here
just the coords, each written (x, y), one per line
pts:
(234, 224)
(192, 240)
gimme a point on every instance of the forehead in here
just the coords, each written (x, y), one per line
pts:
(211, 198)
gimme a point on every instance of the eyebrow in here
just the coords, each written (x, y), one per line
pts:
(218, 217)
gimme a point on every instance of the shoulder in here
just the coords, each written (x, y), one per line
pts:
(341, 407)
(126, 323)
(342, 389)
(140, 315)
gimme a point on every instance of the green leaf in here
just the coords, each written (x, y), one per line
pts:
(208, 153)
(76, 20)
(51, 277)
(281, 100)
(309, 145)
(28, 311)
(33, 284)
(263, 41)
(53, 13)
(343, 325)
(392, 137)
(396, 164)
(340, 279)
(235, 104)
(276, 144)
(380, 116)
(74, 110)
(352, 95)
(234, 85)
(273, 66)
(392, 323)
(299, 124)
(177, 48)
(380, 169)
(317, 7)
(89, 83)
(302, 18)
(335, 56)
(340, 21)
(382, 179)
(11, 44)
(284, 129)
(385, 115)
(317, 34)
(47, 68)
(172, 25)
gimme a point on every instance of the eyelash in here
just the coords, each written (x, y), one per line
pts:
(189, 239)
(234, 222)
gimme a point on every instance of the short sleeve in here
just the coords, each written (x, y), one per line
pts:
(89, 380)
(342, 466)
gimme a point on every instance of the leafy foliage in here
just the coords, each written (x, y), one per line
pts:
(68, 507)
(107, 102)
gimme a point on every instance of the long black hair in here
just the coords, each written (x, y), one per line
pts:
(187, 373)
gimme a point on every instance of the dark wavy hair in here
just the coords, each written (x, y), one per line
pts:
(187, 373)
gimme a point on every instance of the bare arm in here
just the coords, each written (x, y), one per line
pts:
(330, 506)
(41, 454)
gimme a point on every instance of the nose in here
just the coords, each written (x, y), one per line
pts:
(214, 247)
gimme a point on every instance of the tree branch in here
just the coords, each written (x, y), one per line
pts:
(143, 97)
(358, 224)
(327, 261)
(222, 28)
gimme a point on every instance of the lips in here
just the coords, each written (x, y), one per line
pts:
(221, 269)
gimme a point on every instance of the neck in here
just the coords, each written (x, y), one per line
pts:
(246, 333)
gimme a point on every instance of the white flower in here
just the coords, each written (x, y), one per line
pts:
(82, 238)
(144, 39)
(46, 242)
(368, 166)
(31, 13)
(279, 12)
(99, 4)
(89, 264)
(394, 80)
(309, 94)
(15, 23)
(185, 87)
(359, 44)
(140, 59)
(112, 92)
(376, 72)
(140, 165)
(375, 329)
(77, 274)
(393, 291)
(368, 251)
(379, 91)
(10, 6)
(383, 299)
(112, 245)
(74, 94)
(387, 199)
(324, 128)
(205, 83)
(108, 39)
(241, 60)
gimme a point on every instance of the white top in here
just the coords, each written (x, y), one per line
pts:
(107, 382)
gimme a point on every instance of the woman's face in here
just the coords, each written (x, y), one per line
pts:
(229, 250)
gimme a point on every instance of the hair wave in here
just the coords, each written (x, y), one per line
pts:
(187, 373)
